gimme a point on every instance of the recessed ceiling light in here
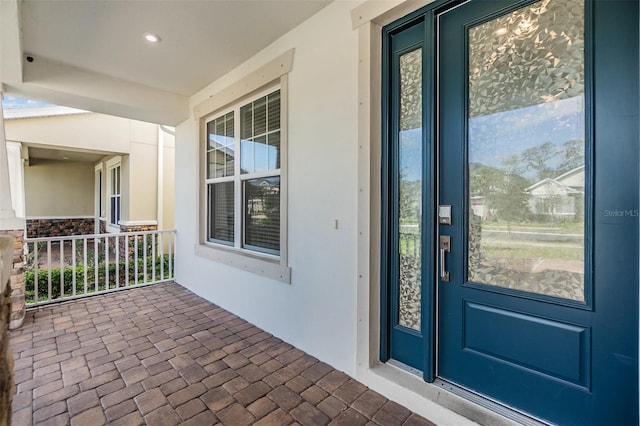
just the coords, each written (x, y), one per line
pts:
(152, 37)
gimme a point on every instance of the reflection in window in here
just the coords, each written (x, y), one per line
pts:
(220, 149)
(260, 134)
(526, 150)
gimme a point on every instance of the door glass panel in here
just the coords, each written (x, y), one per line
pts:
(410, 188)
(526, 150)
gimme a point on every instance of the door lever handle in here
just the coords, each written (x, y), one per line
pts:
(445, 247)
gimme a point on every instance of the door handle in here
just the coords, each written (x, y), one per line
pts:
(445, 247)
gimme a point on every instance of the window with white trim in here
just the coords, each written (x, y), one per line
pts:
(242, 175)
(114, 195)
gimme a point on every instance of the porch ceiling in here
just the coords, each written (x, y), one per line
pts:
(92, 55)
(84, 156)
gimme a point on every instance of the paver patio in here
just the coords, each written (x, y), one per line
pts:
(160, 355)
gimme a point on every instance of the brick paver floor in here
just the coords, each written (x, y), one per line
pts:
(160, 355)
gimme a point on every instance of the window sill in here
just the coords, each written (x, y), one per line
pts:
(112, 229)
(246, 262)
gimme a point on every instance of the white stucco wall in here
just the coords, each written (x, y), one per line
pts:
(59, 189)
(74, 131)
(167, 182)
(316, 312)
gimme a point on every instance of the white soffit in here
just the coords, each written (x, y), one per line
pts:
(93, 53)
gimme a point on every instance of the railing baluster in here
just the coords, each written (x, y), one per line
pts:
(117, 261)
(153, 258)
(36, 270)
(107, 285)
(61, 242)
(126, 261)
(135, 251)
(171, 248)
(85, 266)
(144, 257)
(161, 246)
(73, 266)
(49, 268)
(96, 256)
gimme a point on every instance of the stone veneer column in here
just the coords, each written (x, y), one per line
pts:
(6, 360)
(16, 290)
(127, 251)
(14, 227)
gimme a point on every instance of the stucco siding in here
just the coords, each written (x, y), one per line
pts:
(316, 312)
(56, 188)
(81, 131)
(142, 168)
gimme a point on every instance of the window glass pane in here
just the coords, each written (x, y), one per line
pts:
(211, 164)
(246, 121)
(527, 150)
(220, 151)
(273, 111)
(229, 127)
(260, 152)
(219, 123)
(247, 158)
(260, 116)
(273, 150)
(115, 209)
(260, 148)
(410, 190)
(262, 213)
(221, 218)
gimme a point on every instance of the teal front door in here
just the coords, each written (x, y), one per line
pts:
(529, 204)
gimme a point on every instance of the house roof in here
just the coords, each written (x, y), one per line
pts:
(560, 183)
(91, 55)
(45, 111)
(570, 174)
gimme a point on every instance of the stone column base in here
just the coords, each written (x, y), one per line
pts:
(16, 280)
(6, 359)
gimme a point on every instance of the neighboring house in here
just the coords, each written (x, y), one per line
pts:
(479, 206)
(560, 196)
(298, 230)
(75, 172)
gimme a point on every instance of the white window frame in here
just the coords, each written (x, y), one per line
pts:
(112, 164)
(267, 79)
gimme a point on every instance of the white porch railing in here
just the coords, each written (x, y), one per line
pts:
(69, 267)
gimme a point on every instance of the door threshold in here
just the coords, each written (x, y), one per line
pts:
(405, 367)
(489, 404)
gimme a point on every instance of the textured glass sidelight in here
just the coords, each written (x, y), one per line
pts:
(410, 189)
(526, 150)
